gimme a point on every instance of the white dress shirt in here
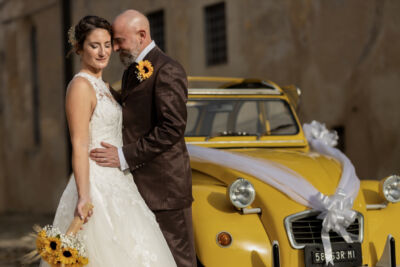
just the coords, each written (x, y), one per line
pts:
(122, 161)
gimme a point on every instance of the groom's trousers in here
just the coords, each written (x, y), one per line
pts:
(177, 228)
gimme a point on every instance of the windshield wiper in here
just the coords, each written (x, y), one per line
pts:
(228, 133)
(282, 126)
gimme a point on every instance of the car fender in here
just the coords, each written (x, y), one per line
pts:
(212, 214)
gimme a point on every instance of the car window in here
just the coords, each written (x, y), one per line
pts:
(279, 116)
(247, 118)
(237, 117)
(219, 122)
(193, 114)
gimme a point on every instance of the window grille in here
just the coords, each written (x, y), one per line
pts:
(157, 26)
(215, 28)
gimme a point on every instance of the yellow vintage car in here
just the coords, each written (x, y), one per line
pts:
(240, 220)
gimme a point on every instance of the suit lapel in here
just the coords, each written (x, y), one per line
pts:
(129, 80)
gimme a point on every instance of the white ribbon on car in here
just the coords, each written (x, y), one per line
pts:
(336, 210)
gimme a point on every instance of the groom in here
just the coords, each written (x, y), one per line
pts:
(153, 99)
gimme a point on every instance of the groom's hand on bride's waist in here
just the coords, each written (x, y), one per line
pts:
(106, 156)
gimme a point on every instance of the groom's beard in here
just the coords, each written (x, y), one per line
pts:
(128, 57)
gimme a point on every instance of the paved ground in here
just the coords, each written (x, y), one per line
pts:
(14, 227)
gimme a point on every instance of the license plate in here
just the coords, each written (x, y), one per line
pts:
(344, 255)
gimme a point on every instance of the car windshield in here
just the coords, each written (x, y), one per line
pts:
(239, 117)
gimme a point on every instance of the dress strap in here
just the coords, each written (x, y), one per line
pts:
(98, 85)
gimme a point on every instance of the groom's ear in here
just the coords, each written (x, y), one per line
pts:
(142, 34)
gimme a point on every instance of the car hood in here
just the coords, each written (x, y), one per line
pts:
(321, 171)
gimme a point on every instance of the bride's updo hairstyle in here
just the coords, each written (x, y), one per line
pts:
(77, 35)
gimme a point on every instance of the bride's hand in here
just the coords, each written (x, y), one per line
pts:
(82, 201)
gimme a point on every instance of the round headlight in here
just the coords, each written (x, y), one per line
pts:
(391, 188)
(241, 193)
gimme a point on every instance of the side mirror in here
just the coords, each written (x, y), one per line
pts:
(293, 94)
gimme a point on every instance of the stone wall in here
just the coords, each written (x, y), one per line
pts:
(342, 54)
(34, 170)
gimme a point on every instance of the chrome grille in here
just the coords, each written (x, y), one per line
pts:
(305, 228)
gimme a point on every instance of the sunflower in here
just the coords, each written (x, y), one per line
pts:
(68, 256)
(42, 233)
(41, 242)
(83, 261)
(52, 245)
(50, 258)
(144, 70)
(48, 248)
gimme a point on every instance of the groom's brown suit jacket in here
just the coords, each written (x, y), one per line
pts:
(154, 121)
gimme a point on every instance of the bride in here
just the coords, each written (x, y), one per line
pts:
(122, 231)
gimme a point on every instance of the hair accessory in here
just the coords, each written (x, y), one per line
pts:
(71, 36)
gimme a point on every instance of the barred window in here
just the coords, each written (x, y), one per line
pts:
(156, 20)
(215, 29)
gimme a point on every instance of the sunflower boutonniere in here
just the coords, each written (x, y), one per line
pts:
(144, 70)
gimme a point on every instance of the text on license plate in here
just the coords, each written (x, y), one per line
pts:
(339, 255)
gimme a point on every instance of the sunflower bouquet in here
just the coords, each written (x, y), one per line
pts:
(58, 249)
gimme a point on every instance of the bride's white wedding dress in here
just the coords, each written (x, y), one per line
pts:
(122, 231)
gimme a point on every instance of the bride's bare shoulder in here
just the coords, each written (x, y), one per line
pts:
(80, 86)
(80, 94)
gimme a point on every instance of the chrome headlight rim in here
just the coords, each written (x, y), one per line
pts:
(390, 183)
(241, 193)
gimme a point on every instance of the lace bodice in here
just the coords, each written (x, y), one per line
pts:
(106, 121)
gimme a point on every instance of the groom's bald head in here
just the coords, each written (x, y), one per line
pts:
(131, 33)
(132, 19)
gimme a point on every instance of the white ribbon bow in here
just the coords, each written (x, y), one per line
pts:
(337, 215)
(318, 131)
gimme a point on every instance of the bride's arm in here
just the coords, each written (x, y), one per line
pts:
(79, 106)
